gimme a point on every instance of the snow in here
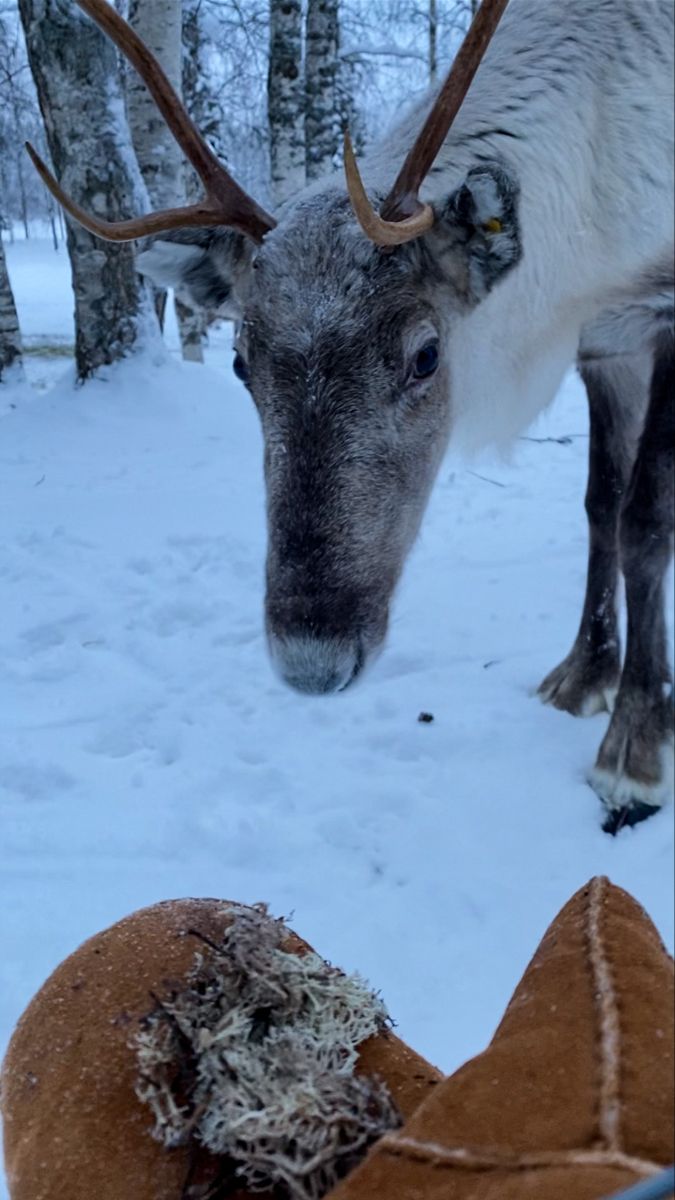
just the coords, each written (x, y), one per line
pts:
(147, 750)
(40, 281)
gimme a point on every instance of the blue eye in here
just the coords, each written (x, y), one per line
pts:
(426, 361)
(240, 369)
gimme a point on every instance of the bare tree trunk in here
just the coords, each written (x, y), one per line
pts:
(322, 111)
(286, 99)
(202, 99)
(22, 195)
(203, 105)
(159, 24)
(433, 41)
(350, 116)
(20, 163)
(75, 70)
(10, 338)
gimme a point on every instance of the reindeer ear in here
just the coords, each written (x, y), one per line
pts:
(210, 264)
(478, 230)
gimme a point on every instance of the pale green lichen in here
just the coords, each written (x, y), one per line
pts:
(254, 1058)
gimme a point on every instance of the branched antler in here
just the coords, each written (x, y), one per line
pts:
(403, 215)
(224, 202)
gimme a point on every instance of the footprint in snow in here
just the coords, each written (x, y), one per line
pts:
(33, 782)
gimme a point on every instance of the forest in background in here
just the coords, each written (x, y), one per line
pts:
(270, 83)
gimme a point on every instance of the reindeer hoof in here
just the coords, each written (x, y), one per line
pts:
(626, 800)
(580, 687)
(629, 814)
(633, 776)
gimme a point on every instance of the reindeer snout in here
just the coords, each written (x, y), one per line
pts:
(316, 665)
(321, 632)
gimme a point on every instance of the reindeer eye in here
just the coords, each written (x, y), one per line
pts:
(240, 369)
(426, 361)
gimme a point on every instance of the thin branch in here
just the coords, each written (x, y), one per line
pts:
(360, 52)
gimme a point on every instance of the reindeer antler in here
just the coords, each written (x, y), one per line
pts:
(403, 215)
(224, 203)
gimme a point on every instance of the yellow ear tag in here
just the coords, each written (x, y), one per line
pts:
(494, 225)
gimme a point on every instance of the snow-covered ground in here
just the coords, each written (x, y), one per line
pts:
(147, 750)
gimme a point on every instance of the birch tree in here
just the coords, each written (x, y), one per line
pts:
(322, 98)
(159, 25)
(200, 95)
(75, 70)
(10, 338)
(21, 190)
(433, 41)
(286, 99)
(201, 92)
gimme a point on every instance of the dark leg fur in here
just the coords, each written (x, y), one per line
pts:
(633, 772)
(586, 681)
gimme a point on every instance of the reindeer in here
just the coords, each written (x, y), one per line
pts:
(375, 324)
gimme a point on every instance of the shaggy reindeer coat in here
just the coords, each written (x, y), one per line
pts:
(553, 239)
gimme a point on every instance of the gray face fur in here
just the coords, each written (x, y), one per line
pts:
(333, 337)
(352, 439)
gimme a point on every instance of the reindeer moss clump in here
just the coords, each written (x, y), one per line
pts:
(254, 1058)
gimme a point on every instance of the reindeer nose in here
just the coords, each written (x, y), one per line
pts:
(316, 665)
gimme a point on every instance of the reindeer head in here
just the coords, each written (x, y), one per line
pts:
(343, 347)
(343, 316)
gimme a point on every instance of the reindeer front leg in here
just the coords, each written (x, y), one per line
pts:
(586, 681)
(633, 774)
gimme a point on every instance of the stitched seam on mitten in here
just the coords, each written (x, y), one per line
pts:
(607, 1015)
